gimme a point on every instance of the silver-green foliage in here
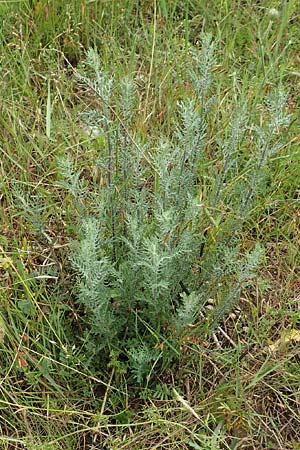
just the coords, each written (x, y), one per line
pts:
(139, 259)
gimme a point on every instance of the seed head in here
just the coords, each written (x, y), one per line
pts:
(273, 14)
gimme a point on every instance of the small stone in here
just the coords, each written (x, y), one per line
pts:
(91, 131)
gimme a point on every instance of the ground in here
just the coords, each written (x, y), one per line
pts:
(238, 389)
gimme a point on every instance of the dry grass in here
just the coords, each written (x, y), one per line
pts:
(236, 392)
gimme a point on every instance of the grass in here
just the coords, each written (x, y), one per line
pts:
(229, 396)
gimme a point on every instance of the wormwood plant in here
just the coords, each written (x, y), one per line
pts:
(159, 224)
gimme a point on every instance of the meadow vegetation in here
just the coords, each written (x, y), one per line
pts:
(149, 239)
